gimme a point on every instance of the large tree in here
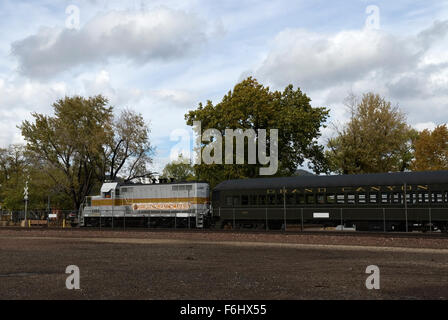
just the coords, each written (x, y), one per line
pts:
(376, 139)
(253, 106)
(179, 170)
(431, 150)
(128, 151)
(83, 143)
(19, 166)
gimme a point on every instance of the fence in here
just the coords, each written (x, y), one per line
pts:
(433, 219)
(363, 219)
(55, 218)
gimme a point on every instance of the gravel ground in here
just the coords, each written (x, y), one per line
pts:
(181, 265)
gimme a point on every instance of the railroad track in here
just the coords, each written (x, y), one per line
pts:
(435, 235)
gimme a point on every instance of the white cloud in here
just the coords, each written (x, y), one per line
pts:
(425, 125)
(138, 37)
(410, 71)
(18, 99)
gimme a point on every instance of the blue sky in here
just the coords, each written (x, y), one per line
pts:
(162, 58)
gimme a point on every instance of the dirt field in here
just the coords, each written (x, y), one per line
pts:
(164, 265)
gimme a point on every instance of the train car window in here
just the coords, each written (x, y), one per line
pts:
(408, 198)
(341, 198)
(310, 198)
(446, 196)
(436, 197)
(236, 200)
(291, 198)
(280, 198)
(229, 201)
(350, 198)
(253, 199)
(300, 199)
(117, 192)
(244, 200)
(423, 198)
(384, 198)
(362, 198)
(331, 198)
(189, 187)
(320, 198)
(396, 198)
(419, 198)
(373, 198)
(175, 188)
(262, 199)
(271, 199)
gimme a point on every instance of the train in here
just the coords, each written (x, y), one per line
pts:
(181, 204)
(399, 201)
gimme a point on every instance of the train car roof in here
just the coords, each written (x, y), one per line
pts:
(371, 179)
(159, 184)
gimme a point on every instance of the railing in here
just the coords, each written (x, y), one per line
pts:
(368, 219)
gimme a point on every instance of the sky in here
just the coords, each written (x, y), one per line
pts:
(162, 58)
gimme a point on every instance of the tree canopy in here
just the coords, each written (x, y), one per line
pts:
(253, 106)
(179, 170)
(376, 139)
(84, 143)
(431, 150)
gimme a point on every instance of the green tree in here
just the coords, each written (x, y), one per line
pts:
(431, 150)
(376, 139)
(180, 169)
(17, 166)
(83, 143)
(252, 106)
(128, 151)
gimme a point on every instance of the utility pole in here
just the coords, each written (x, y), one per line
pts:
(406, 207)
(25, 197)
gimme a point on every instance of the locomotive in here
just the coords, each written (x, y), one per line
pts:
(402, 201)
(172, 204)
